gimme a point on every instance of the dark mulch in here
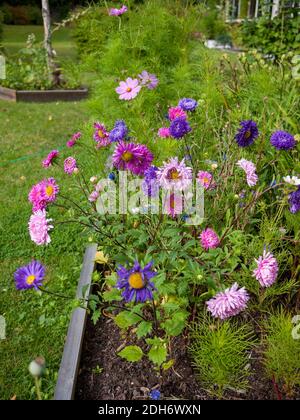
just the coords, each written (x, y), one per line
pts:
(120, 380)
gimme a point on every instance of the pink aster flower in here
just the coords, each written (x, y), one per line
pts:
(149, 80)
(205, 179)
(70, 165)
(267, 269)
(228, 303)
(209, 239)
(249, 169)
(176, 112)
(50, 158)
(136, 158)
(39, 227)
(164, 132)
(129, 89)
(93, 196)
(101, 135)
(74, 139)
(117, 12)
(43, 193)
(173, 204)
(174, 175)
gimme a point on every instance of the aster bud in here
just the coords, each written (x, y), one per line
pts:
(37, 367)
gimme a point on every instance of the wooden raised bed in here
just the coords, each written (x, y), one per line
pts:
(67, 374)
(13, 95)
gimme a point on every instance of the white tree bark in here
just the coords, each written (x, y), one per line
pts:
(47, 35)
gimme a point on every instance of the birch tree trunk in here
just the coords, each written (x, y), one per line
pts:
(47, 36)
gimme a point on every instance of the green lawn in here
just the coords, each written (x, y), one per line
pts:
(36, 325)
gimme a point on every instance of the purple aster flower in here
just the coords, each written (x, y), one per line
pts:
(70, 165)
(119, 132)
(179, 128)
(174, 175)
(50, 158)
(228, 303)
(209, 239)
(188, 104)
(30, 276)
(136, 158)
(267, 269)
(247, 133)
(101, 135)
(282, 140)
(294, 201)
(149, 80)
(136, 282)
(117, 12)
(150, 184)
(205, 179)
(154, 394)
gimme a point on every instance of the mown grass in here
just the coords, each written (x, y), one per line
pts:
(36, 325)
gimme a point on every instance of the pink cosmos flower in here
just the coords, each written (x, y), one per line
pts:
(129, 89)
(70, 165)
(209, 239)
(249, 169)
(117, 12)
(39, 227)
(73, 140)
(174, 175)
(50, 158)
(228, 303)
(176, 112)
(43, 193)
(101, 135)
(205, 179)
(149, 80)
(164, 132)
(267, 269)
(136, 158)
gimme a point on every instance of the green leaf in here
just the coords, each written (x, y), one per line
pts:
(143, 329)
(158, 353)
(112, 295)
(125, 319)
(131, 353)
(176, 324)
(167, 365)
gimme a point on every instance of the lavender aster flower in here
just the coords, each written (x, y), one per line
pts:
(247, 133)
(148, 79)
(101, 135)
(174, 175)
(179, 128)
(136, 282)
(267, 269)
(228, 303)
(249, 169)
(282, 140)
(294, 201)
(150, 184)
(188, 104)
(30, 276)
(70, 165)
(119, 132)
(136, 158)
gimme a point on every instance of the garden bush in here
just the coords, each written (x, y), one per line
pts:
(22, 14)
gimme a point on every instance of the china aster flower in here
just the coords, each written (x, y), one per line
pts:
(174, 175)
(70, 165)
(129, 89)
(176, 112)
(39, 227)
(294, 180)
(209, 239)
(43, 193)
(74, 139)
(101, 135)
(50, 159)
(205, 179)
(30, 276)
(117, 12)
(228, 303)
(132, 157)
(249, 169)
(150, 184)
(119, 132)
(247, 133)
(179, 128)
(173, 204)
(136, 282)
(93, 196)
(282, 140)
(267, 269)
(164, 132)
(294, 201)
(149, 80)
(188, 104)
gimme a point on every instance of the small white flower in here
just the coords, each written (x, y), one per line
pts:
(292, 180)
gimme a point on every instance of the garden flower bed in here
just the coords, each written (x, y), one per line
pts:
(43, 95)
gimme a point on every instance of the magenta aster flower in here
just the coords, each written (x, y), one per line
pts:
(50, 158)
(132, 157)
(30, 276)
(101, 135)
(43, 193)
(117, 12)
(149, 80)
(74, 139)
(129, 89)
(209, 239)
(205, 179)
(39, 227)
(174, 175)
(173, 204)
(228, 303)
(176, 112)
(93, 196)
(249, 169)
(267, 269)
(70, 165)
(164, 132)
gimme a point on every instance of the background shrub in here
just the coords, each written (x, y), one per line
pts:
(22, 14)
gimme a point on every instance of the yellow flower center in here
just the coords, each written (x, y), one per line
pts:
(30, 279)
(206, 180)
(100, 133)
(136, 281)
(248, 134)
(173, 174)
(49, 190)
(128, 89)
(127, 156)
